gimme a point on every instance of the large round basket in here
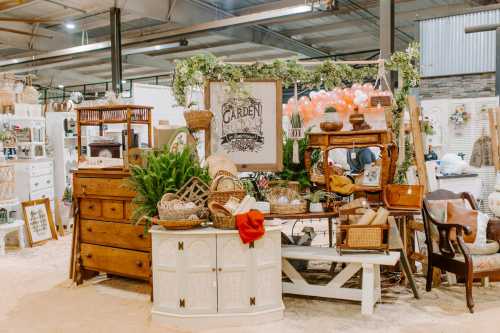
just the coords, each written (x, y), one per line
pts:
(178, 224)
(198, 120)
(224, 222)
(167, 212)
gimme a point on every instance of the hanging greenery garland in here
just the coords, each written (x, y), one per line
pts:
(193, 71)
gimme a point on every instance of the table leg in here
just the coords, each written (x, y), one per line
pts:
(368, 289)
(22, 239)
(330, 232)
(2, 243)
(378, 285)
(409, 275)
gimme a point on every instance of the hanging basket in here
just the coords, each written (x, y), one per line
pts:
(198, 120)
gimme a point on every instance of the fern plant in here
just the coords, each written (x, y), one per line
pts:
(165, 172)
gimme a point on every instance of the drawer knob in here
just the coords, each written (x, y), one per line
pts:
(139, 263)
(219, 269)
(113, 209)
(89, 229)
(89, 255)
(141, 236)
(213, 269)
(91, 207)
(48, 181)
(36, 184)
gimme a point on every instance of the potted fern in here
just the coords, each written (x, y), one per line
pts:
(331, 121)
(165, 172)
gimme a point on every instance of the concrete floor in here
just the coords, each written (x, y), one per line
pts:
(36, 296)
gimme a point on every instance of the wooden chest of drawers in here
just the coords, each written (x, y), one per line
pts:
(105, 239)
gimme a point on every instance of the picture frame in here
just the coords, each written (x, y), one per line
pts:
(38, 220)
(372, 175)
(247, 129)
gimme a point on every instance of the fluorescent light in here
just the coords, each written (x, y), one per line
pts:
(157, 47)
(302, 8)
(124, 81)
(69, 25)
(60, 86)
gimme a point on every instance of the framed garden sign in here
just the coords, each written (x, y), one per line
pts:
(247, 124)
(38, 220)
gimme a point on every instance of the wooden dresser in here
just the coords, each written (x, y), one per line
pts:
(105, 239)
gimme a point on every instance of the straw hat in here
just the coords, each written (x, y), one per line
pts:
(220, 162)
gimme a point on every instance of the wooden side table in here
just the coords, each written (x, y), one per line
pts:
(6, 229)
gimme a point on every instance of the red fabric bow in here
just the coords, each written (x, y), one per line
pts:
(250, 226)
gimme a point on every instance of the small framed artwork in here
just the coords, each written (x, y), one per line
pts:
(38, 221)
(247, 124)
(371, 175)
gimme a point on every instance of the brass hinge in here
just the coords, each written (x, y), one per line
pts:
(180, 246)
(252, 301)
(251, 245)
(182, 303)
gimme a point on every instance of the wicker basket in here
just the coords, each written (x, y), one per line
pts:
(198, 120)
(363, 237)
(178, 224)
(224, 222)
(223, 196)
(281, 208)
(166, 212)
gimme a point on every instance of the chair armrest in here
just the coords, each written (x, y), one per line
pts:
(450, 226)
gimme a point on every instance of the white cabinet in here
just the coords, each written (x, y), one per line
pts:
(208, 277)
(34, 180)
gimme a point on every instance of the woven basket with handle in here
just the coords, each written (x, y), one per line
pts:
(223, 196)
(198, 120)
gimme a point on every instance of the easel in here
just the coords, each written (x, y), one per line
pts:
(418, 151)
(494, 122)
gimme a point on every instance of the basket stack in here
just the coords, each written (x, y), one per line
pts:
(224, 187)
(177, 214)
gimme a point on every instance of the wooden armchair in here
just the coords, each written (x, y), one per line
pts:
(450, 253)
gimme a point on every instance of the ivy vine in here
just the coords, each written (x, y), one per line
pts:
(192, 72)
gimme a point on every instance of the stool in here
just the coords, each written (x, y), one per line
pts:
(6, 229)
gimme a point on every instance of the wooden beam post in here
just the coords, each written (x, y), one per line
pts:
(418, 146)
(387, 36)
(494, 136)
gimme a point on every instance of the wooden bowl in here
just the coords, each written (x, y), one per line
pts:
(331, 126)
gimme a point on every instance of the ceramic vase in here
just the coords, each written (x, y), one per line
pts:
(316, 207)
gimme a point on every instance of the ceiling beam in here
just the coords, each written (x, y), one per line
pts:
(192, 12)
(64, 77)
(148, 61)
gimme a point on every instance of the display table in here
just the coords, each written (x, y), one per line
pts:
(307, 216)
(7, 228)
(370, 292)
(207, 277)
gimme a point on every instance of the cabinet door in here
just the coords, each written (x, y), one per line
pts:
(233, 274)
(199, 277)
(266, 264)
(166, 277)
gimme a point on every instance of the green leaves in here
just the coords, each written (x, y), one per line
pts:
(165, 172)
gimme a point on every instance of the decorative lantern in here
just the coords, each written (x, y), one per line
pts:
(296, 131)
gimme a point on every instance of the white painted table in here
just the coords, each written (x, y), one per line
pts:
(207, 277)
(369, 294)
(7, 228)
